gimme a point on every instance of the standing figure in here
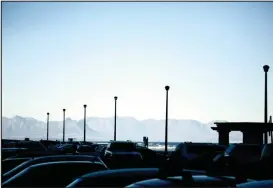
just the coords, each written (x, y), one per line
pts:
(147, 141)
(144, 140)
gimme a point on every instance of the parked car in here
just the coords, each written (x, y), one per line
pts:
(150, 158)
(34, 154)
(121, 146)
(52, 174)
(67, 148)
(238, 154)
(197, 155)
(256, 184)
(33, 146)
(122, 154)
(236, 157)
(49, 143)
(244, 153)
(9, 152)
(189, 180)
(86, 148)
(8, 164)
(53, 158)
(124, 160)
(117, 177)
(260, 169)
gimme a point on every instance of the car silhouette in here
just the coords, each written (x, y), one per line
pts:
(118, 177)
(52, 174)
(53, 158)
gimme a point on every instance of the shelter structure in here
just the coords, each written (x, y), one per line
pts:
(252, 131)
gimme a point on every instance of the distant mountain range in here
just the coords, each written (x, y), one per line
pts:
(101, 129)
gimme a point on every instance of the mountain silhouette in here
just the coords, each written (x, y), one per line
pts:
(102, 129)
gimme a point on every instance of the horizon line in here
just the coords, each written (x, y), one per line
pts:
(138, 119)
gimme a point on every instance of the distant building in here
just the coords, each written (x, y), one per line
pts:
(252, 131)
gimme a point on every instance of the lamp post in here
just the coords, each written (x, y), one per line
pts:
(47, 125)
(115, 120)
(270, 121)
(84, 124)
(266, 68)
(63, 125)
(166, 121)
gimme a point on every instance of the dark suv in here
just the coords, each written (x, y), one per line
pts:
(197, 155)
(122, 154)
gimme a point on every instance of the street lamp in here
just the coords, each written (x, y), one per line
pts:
(84, 123)
(266, 68)
(115, 121)
(47, 125)
(63, 125)
(166, 121)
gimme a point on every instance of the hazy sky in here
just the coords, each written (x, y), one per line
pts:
(63, 55)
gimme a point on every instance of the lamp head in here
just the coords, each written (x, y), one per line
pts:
(64, 109)
(167, 87)
(115, 97)
(84, 105)
(266, 68)
(47, 113)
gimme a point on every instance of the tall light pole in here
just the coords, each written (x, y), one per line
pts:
(270, 121)
(266, 68)
(166, 122)
(115, 121)
(47, 125)
(63, 125)
(84, 122)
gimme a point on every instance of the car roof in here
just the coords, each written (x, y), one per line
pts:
(14, 159)
(177, 180)
(57, 167)
(128, 171)
(61, 163)
(257, 184)
(28, 163)
(65, 156)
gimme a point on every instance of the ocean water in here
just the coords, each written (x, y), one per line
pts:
(160, 146)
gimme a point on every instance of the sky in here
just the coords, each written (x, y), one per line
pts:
(66, 54)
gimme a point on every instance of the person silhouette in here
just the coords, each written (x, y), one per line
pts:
(147, 142)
